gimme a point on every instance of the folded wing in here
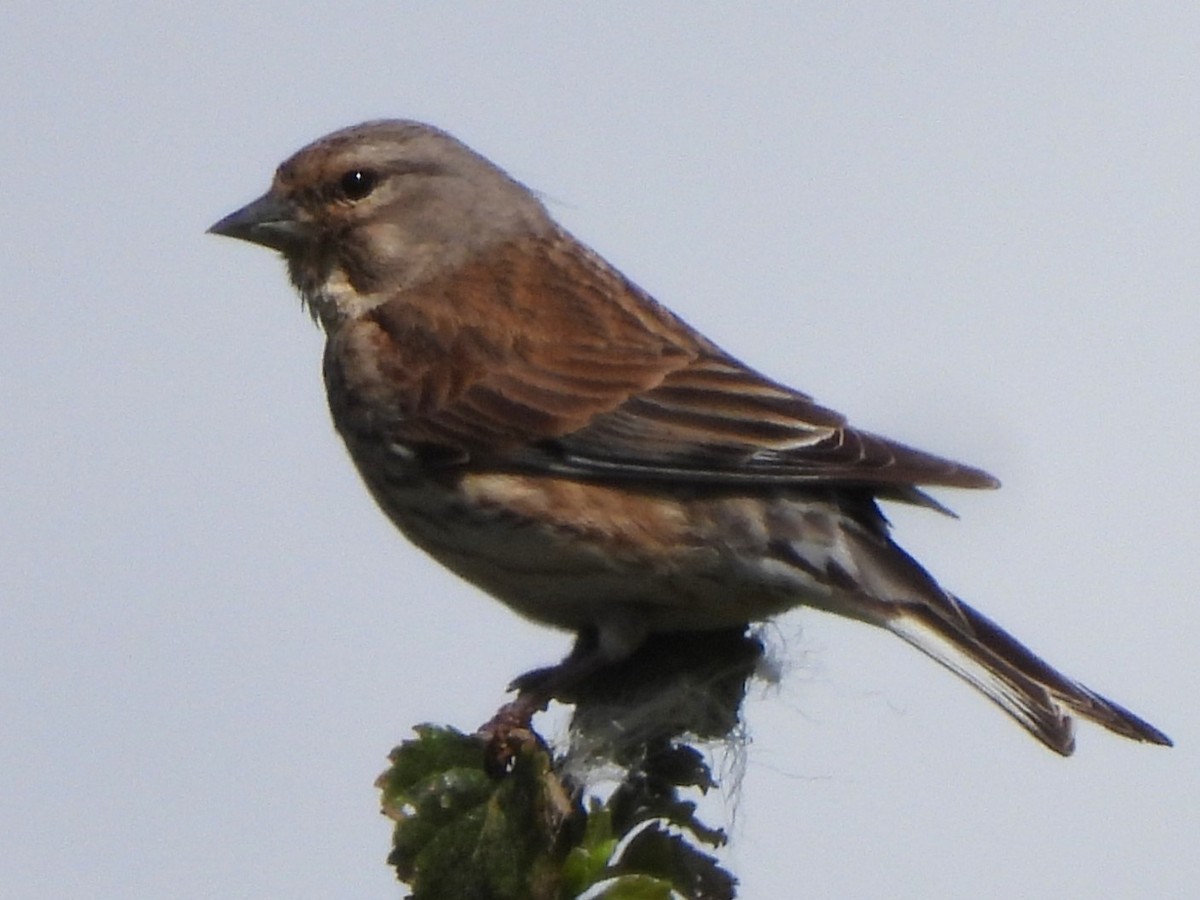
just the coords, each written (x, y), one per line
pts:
(611, 385)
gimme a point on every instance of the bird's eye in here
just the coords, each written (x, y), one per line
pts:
(357, 183)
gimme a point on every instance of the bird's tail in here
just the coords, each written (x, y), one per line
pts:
(1022, 684)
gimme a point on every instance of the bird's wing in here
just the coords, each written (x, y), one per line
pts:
(561, 365)
(716, 420)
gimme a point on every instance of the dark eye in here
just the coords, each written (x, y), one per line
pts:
(357, 183)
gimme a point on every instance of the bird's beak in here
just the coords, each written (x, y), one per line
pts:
(267, 221)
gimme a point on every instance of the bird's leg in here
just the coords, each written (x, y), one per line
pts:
(552, 682)
(511, 727)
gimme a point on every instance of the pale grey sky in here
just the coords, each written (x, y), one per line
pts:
(972, 230)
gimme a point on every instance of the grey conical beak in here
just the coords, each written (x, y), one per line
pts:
(267, 221)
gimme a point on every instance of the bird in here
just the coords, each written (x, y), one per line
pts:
(545, 429)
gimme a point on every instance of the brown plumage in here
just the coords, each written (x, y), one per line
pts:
(544, 428)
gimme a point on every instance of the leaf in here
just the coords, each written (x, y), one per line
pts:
(463, 833)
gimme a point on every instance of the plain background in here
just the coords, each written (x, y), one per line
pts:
(972, 230)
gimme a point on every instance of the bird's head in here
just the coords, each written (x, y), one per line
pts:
(388, 203)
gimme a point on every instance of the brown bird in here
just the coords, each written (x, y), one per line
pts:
(542, 427)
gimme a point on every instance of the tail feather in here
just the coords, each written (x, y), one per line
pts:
(1021, 697)
(873, 580)
(1017, 680)
(1082, 700)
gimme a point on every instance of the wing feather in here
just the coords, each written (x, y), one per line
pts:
(611, 385)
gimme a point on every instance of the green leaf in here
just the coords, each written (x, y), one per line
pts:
(637, 887)
(463, 833)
